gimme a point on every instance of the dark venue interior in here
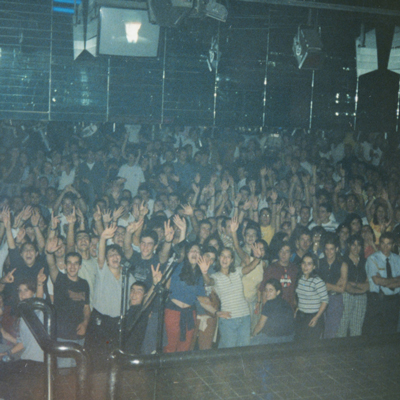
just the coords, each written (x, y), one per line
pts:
(173, 139)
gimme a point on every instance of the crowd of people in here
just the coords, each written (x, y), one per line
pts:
(260, 238)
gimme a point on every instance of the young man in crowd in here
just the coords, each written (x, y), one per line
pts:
(383, 304)
(71, 299)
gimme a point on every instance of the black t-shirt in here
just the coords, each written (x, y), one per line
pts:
(280, 320)
(141, 269)
(70, 298)
(135, 334)
(23, 272)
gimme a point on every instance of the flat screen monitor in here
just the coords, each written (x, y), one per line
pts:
(125, 32)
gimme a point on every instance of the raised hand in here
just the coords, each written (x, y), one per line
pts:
(109, 232)
(203, 264)
(55, 220)
(263, 172)
(157, 274)
(196, 188)
(252, 185)
(247, 205)
(168, 231)
(79, 214)
(71, 218)
(41, 278)
(6, 217)
(256, 250)
(20, 235)
(237, 199)
(292, 209)
(187, 210)
(52, 245)
(26, 213)
(197, 178)
(143, 210)
(9, 278)
(117, 213)
(255, 201)
(234, 224)
(179, 222)
(134, 226)
(107, 217)
(35, 217)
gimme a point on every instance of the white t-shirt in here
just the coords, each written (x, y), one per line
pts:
(134, 177)
(66, 180)
(230, 291)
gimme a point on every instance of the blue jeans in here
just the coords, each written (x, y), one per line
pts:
(235, 332)
(262, 338)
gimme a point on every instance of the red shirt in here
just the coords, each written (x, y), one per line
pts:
(287, 276)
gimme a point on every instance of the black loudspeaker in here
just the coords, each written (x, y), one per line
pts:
(307, 48)
(169, 13)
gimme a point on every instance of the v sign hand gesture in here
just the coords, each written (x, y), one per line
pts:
(203, 264)
(157, 274)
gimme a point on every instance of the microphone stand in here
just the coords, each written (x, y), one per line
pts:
(160, 289)
(124, 301)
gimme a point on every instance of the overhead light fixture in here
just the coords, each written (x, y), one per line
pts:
(216, 10)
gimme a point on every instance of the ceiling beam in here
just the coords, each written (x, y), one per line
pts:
(329, 6)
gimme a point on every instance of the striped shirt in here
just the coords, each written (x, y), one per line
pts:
(229, 289)
(311, 293)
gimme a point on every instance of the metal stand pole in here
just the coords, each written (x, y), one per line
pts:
(311, 101)
(124, 303)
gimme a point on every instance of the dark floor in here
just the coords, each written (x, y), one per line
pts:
(341, 369)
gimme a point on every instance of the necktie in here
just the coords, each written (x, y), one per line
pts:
(388, 270)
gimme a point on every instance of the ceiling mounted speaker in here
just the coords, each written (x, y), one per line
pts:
(308, 49)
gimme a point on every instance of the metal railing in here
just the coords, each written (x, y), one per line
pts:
(44, 334)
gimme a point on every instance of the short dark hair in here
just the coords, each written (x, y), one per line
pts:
(113, 247)
(29, 283)
(28, 243)
(141, 284)
(387, 235)
(327, 207)
(151, 234)
(73, 254)
(275, 283)
(330, 238)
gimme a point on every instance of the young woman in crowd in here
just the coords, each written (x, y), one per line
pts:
(186, 286)
(312, 301)
(234, 322)
(354, 297)
(333, 270)
(276, 324)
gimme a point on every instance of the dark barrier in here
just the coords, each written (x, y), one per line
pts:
(46, 340)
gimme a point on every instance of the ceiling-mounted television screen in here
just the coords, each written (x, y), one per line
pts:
(125, 32)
